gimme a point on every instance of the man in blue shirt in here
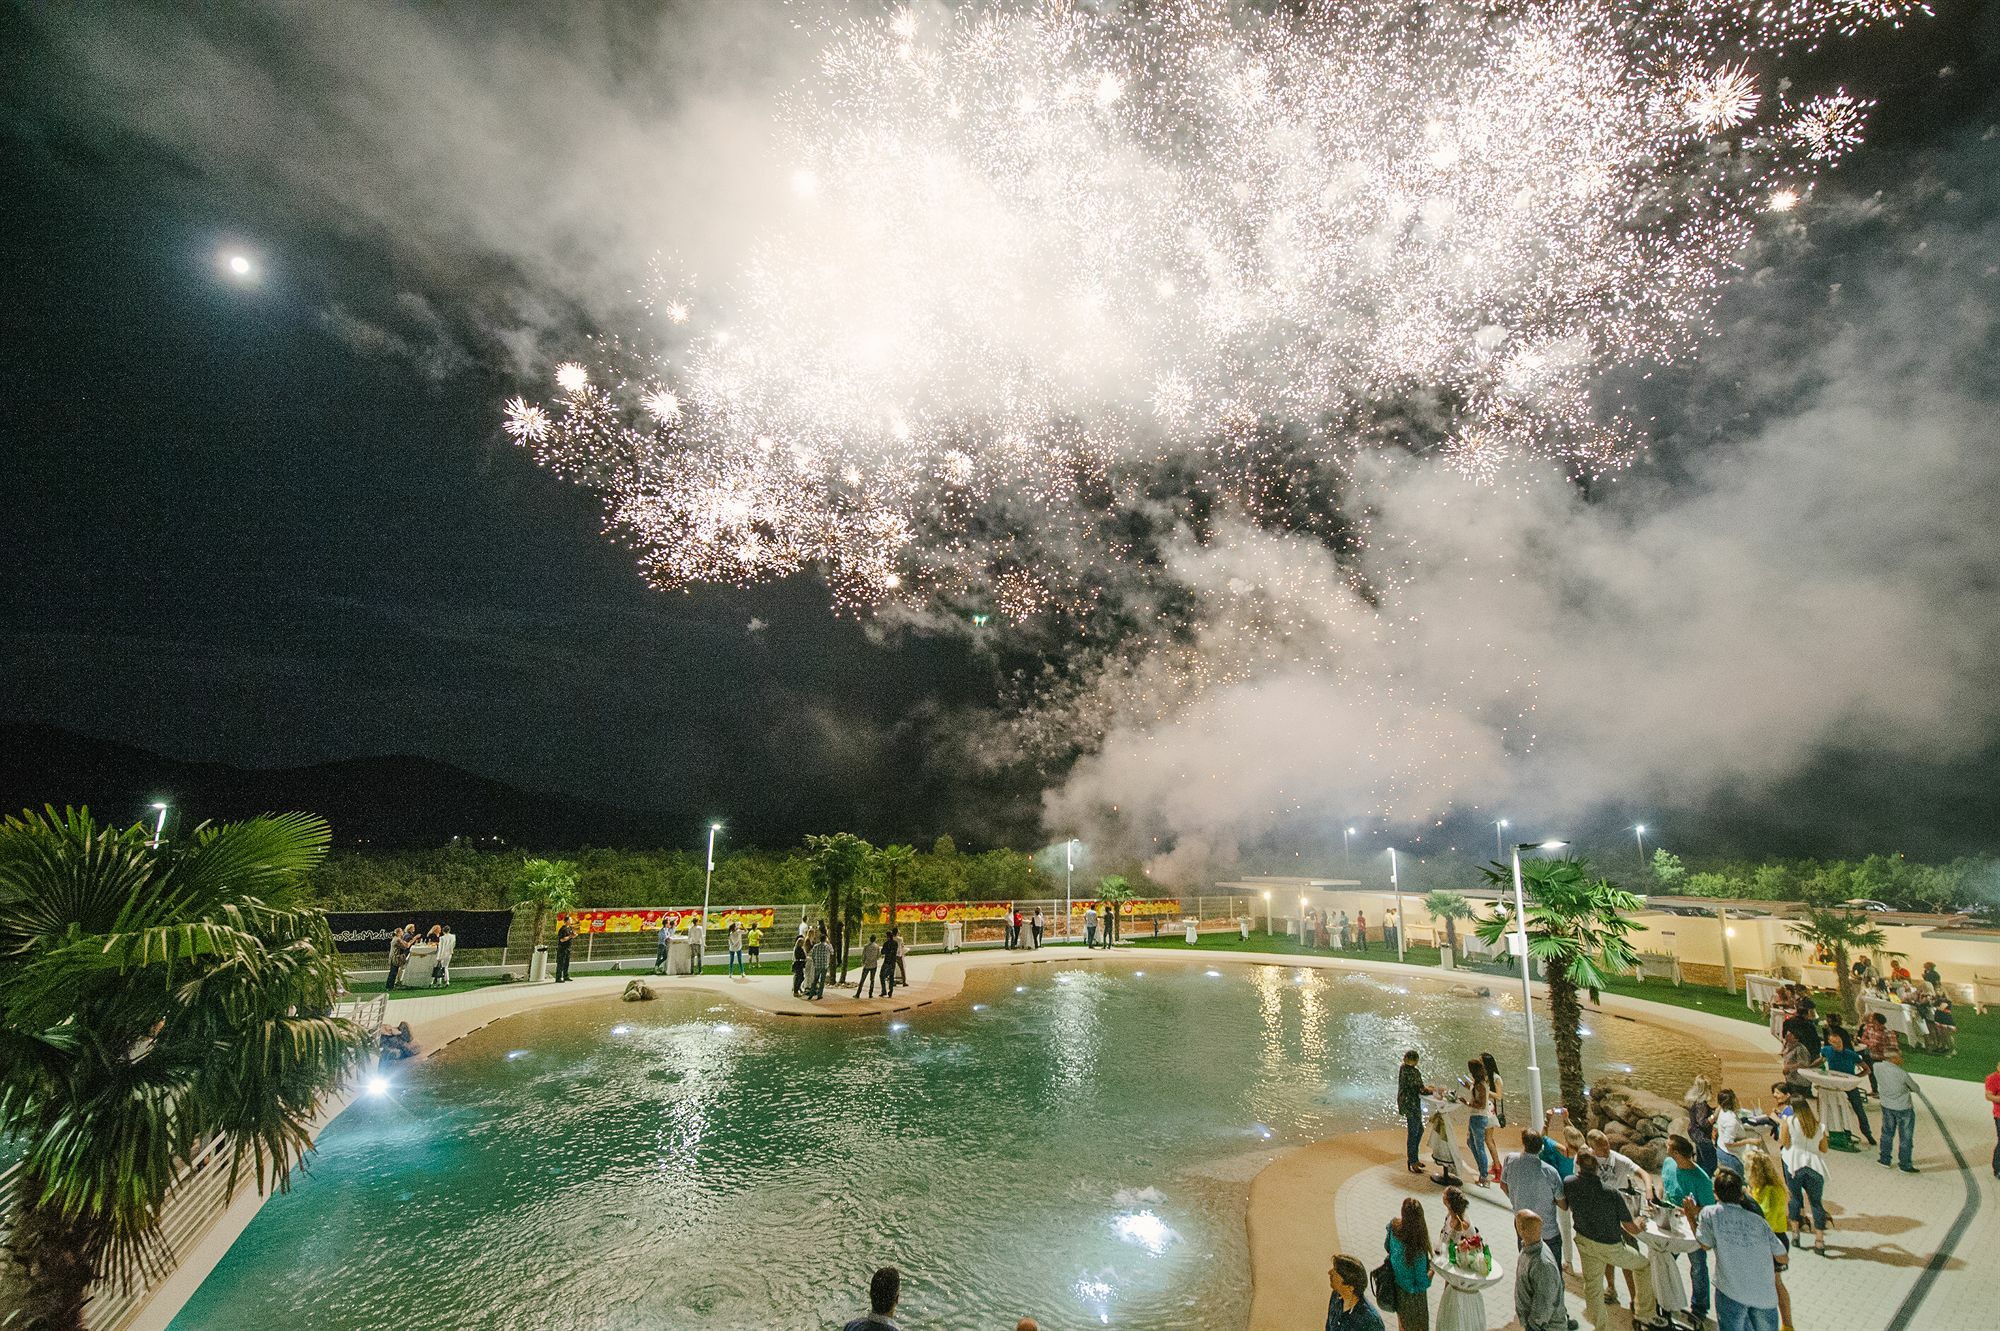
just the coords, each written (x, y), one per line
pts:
(1348, 1309)
(1748, 1256)
(1687, 1185)
(1532, 1184)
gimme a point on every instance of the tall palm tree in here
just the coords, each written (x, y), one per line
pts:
(1577, 932)
(1839, 933)
(151, 999)
(1451, 907)
(839, 863)
(550, 887)
(1113, 892)
(894, 863)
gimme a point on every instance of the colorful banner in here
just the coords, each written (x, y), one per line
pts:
(648, 919)
(941, 912)
(1138, 908)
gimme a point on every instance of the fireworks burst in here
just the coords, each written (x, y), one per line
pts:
(1053, 286)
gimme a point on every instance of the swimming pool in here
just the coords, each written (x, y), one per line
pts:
(1069, 1141)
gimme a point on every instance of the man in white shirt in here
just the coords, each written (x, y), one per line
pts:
(697, 939)
(1619, 1173)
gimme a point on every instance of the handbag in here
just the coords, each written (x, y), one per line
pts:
(1383, 1278)
(437, 970)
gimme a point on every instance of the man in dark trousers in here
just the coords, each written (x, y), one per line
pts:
(892, 955)
(400, 943)
(565, 939)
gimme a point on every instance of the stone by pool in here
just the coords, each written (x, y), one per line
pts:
(1063, 1140)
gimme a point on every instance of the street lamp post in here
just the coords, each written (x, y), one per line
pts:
(1527, 992)
(159, 825)
(1498, 828)
(1302, 919)
(709, 877)
(1069, 868)
(1640, 832)
(1396, 886)
(1347, 849)
(1267, 912)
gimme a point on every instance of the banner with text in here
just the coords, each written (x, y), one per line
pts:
(369, 930)
(941, 912)
(1135, 909)
(648, 919)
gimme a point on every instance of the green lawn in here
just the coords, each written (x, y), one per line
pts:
(1263, 944)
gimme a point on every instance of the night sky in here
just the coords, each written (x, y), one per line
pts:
(236, 533)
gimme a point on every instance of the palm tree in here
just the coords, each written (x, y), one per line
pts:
(1839, 933)
(894, 863)
(1113, 892)
(151, 999)
(550, 887)
(839, 862)
(1450, 907)
(1577, 928)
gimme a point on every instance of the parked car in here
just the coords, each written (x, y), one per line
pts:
(1866, 903)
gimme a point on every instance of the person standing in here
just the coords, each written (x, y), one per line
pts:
(885, 1291)
(1346, 932)
(755, 940)
(1410, 1093)
(665, 947)
(447, 945)
(1538, 1277)
(1348, 1309)
(799, 960)
(400, 943)
(1408, 1242)
(736, 948)
(1700, 1102)
(1090, 925)
(822, 963)
(1836, 1055)
(1684, 1183)
(1038, 926)
(1479, 1106)
(1801, 1145)
(1899, 1113)
(892, 958)
(1532, 1186)
(1748, 1257)
(1602, 1225)
(1993, 1098)
(565, 941)
(1361, 929)
(871, 957)
(697, 942)
(1390, 925)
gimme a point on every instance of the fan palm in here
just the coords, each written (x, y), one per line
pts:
(152, 999)
(839, 866)
(894, 863)
(1577, 930)
(550, 887)
(1113, 892)
(1839, 934)
(1449, 907)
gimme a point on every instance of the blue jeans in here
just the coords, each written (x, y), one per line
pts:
(1475, 1137)
(736, 966)
(1894, 1122)
(1733, 1316)
(1698, 1266)
(1413, 1124)
(1724, 1160)
(1808, 1185)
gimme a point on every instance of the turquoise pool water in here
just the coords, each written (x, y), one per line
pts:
(1065, 1141)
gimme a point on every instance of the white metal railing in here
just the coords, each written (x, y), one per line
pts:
(195, 1201)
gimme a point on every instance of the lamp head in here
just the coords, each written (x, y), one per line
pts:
(1640, 828)
(1542, 845)
(1503, 822)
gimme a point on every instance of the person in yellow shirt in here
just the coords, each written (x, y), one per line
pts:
(755, 942)
(1766, 1186)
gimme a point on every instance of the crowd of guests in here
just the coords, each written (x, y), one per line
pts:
(1334, 931)
(882, 963)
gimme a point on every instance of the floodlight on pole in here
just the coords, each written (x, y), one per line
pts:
(159, 825)
(709, 877)
(1069, 869)
(1267, 910)
(1527, 990)
(1347, 849)
(1396, 886)
(1640, 832)
(1498, 828)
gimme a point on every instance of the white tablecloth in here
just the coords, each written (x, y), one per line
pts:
(1663, 1240)
(1759, 990)
(1444, 1121)
(1902, 1017)
(1832, 1087)
(1462, 1307)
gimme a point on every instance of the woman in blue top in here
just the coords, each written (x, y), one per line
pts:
(1409, 1243)
(1835, 1056)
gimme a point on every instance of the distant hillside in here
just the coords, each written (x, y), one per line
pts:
(395, 801)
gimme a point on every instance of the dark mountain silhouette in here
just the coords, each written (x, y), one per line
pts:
(394, 801)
